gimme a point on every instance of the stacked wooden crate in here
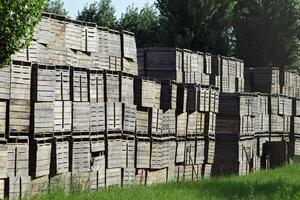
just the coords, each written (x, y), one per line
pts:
(235, 133)
(296, 126)
(161, 63)
(228, 74)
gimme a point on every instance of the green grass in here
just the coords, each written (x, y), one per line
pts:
(281, 184)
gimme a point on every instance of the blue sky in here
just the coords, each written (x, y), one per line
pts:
(72, 6)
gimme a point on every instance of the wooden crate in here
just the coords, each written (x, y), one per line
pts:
(181, 125)
(43, 119)
(192, 98)
(156, 121)
(208, 67)
(40, 161)
(43, 30)
(297, 145)
(169, 97)
(97, 180)
(19, 118)
(81, 156)
(57, 55)
(112, 87)
(129, 45)
(91, 37)
(81, 117)
(129, 118)
(114, 153)
(20, 80)
(115, 63)
(127, 89)
(156, 154)
(18, 159)
(2, 188)
(19, 187)
(189, 152)
(181, 102)
(207, 170)
(97, 117)
(4, 161)
(129, 66)
(80, 85)
(114, 116)
(204, 99)
(85, 59)
(98, 162)
(200, 151)
(128, 177)
(96, 81)
(5, 82)
(97, 144)
(38, 53)
(72, 58)
(143, 153)
(196, 124)
(62, 117)
(44, 79)
(100, 58)
(80, 181)
(3, 120)
(142, 123)
(156, 176)
(143, 96)
(180, 148)
(61, 156)
(73, 35)
(266, 80)
(62, 83)
(113, 177)
(128, 151)
(169, 122)
(114, 42)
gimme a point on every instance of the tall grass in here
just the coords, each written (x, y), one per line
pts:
(278, 184)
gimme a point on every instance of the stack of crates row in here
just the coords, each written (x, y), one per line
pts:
(76, 115)
(180, 65)
(238, 125)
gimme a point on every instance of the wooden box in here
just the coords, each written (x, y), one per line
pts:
(114, 116)
(81, 117)
(44, 80)
(62, 83)
(79, 85)
(20, 80)
(62, 117)
(43, 119)
(81, 156)
(96, 81)
(97, 117)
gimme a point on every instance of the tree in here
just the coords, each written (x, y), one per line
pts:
(197, 24)
(18, 19)
(267, 31)
(144, 23)
(55, 6)
(101, 13)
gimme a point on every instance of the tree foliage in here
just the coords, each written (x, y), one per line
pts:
(197, 24)
(55, 6)
(144, 23)
(267, 31)
(101, 13)
(17, 22)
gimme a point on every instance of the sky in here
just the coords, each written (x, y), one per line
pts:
(72, 6)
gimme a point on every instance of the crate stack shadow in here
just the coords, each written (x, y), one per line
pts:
(83, 109)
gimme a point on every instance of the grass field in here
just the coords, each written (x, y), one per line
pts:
(281, 184)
